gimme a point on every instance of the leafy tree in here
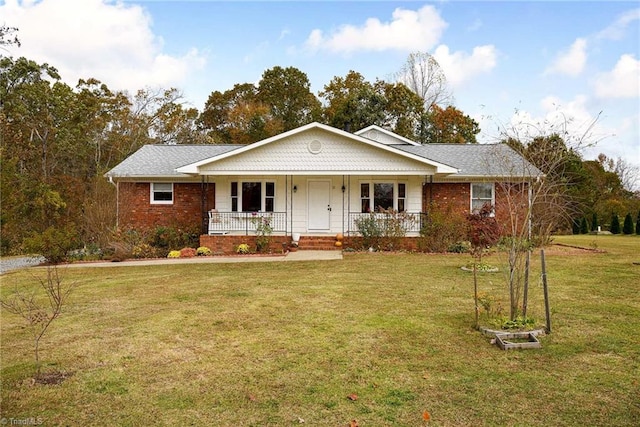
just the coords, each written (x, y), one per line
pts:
(615, 224)
(447, 126)
(638, 224)
(286, 92)
(627, 227)
(352, 103)
(403, 109)
(237, 116)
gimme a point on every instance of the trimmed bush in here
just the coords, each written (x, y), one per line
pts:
(615, 224)
(627, 227)
(187, 253)
(174, 254)
(203, 251)
(243, 248)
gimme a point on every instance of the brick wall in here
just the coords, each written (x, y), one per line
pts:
(226, 245)
(457, 195)
(136, 211)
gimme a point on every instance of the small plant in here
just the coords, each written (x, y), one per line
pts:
(519, 323)
(460, 247)
(37, 312)
(187, 253)
(203, 251)
(263, 232)
(243, 248)
(174, 254)
(143, 250)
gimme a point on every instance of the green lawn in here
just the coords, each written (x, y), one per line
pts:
(286, 344)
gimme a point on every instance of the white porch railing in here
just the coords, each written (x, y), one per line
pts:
(247, 222)
(409, 222)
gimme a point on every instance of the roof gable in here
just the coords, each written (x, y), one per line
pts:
(320, 149)
(376, 133)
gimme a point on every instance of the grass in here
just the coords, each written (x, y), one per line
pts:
(281, 343)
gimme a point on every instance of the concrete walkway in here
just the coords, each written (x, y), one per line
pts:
(290, 256)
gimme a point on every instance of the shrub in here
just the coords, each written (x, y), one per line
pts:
(441, 230)
(54, 243)
(143, 250)
(461, 247)
(370, 230)
(174, 254)
(263, 232)
(187, 253)
(615, 224)
(165, 237)
(203, 251)
(242, 248)
(627, 228)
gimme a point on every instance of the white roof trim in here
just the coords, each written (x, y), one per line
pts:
(386, 132)
(440, 167)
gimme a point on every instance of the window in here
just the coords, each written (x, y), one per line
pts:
(386, 195)
(253, 196)
(481, 193)
(162, 193)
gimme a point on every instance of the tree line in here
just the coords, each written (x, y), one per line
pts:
(57, 141)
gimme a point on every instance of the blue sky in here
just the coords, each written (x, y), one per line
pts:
(511, 65)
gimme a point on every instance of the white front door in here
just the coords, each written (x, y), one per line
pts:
(319, 205)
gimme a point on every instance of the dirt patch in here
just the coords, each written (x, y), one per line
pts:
(52, 378)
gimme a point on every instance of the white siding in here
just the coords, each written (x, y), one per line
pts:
(318, 152)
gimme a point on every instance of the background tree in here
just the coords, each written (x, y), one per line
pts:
(422, 74)
(287, 94)
(237, 116)
(594, 222)
(638, 224)
(352, 103)
(8, 37)
(615, 224)
(627, 227)
(447, 126)
(584, 227)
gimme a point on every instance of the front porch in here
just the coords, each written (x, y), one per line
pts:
(279, 223)
(226, 230)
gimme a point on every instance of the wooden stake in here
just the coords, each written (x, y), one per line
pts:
(546, 291)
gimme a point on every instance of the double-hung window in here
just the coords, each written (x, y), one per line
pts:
(253, 196)
(481, 194)
(161, 193)
(376, 196)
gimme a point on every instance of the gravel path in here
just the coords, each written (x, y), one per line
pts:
(15, 263)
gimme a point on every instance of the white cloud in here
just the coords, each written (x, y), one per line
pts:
(572, 61)
(616, 30)
(408, 30)
(112, 42)
(621, 82)
(460, 66)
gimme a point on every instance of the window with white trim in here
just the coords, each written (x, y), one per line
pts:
(385, 195)
(253, 196)
(482, 193)
(161, 193)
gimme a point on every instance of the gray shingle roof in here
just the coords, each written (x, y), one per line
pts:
(472, 160)
(163, 160)
(476, 160)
